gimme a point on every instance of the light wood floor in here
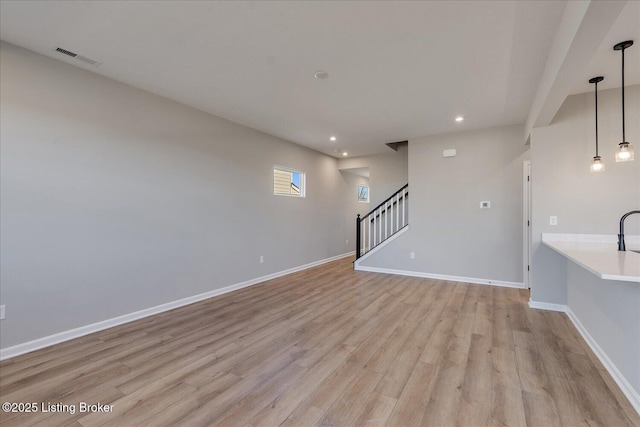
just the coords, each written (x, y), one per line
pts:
(329, 346)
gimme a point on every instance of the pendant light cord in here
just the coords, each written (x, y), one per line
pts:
(623, 136)
(596, 80)
(597, 119)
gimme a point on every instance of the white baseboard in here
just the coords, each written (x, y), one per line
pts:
(547, 306)
(473, 280)
(60, 337)
(628, 390)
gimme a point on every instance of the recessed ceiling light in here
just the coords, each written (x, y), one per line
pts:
(333, 138)
(321, 75)
(459, 119)
(344, 153)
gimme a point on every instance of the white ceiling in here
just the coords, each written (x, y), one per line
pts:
(397, 70)
(607, 62)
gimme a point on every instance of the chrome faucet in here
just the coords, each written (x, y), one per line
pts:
(621, 235)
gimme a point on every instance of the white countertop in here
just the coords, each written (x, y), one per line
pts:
(598, 253)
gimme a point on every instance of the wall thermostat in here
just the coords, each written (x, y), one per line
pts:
(449, 153)
(485, 205)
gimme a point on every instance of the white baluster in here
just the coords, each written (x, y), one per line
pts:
(404, 202)
(375, 229)
(369, 233)
(378, 224)
(386, 217)
(397, 210)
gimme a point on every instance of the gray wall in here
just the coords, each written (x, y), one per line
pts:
(352, 206)
(115, 200)
(584, 202)
(388, 172)
(608, 310)
(448, 231)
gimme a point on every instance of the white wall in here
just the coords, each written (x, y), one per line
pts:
(116, 200)
(584, 202)
(448, 232)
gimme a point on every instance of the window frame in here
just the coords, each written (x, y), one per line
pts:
(368, 194)
(303, 181)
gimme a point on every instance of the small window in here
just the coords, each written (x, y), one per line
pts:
(363, 193)
(288, 182)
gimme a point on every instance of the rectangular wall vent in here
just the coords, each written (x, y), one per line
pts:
(66, 52)
(79, 57)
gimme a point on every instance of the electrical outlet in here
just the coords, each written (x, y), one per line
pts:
(553, 220)
(261, 259)
(347, 242)
(2, 311)
(412, 255)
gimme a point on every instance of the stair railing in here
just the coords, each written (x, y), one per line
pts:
(382, 222)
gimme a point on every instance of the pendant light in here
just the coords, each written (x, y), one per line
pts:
(596, 164)
(624, 152)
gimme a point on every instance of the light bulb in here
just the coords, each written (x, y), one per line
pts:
(597, 165)
(624, 152)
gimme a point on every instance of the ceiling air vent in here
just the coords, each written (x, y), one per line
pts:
(66, 52)
(77, 56)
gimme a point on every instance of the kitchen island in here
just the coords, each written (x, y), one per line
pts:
(598, 254)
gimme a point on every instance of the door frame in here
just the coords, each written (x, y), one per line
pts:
(526, 222)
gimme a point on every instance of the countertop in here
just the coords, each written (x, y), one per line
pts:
(598, 253)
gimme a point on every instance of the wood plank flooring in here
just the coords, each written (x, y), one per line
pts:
(328, 347)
